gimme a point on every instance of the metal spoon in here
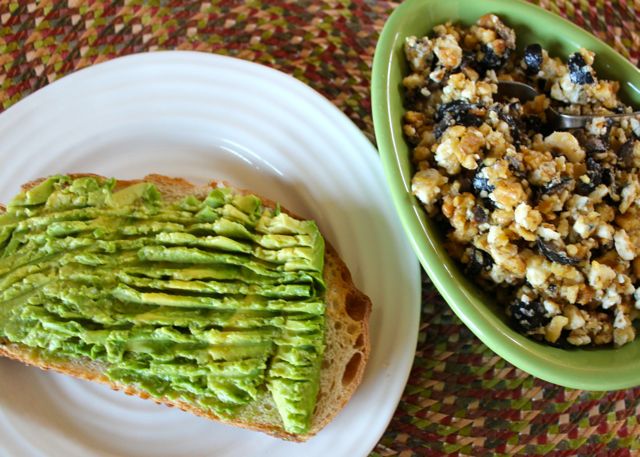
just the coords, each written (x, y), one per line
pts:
(558, 121)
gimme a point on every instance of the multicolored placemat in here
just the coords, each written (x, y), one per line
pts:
(461, 398)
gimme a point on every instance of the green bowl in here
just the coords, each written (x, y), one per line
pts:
(594, 369)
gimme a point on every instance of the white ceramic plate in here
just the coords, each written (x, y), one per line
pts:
(203, 117)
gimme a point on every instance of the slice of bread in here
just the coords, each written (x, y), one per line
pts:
(345, 356)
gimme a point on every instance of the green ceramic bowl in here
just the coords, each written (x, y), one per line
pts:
(593, 369)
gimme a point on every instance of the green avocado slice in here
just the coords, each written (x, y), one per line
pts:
(212, 300)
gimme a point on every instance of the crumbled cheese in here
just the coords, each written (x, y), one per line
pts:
(527, 217)
(427, 186)
(537, 273)
(551, 307)
(610, 298)
(419, 52)
(548, 232)
(624, 247)
(605, 231)
(583, 227)
(600, 275)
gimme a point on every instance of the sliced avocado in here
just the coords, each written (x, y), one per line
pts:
(141, 192)
(218, 197)
(40, 193)
(248, 204)
(210, 301)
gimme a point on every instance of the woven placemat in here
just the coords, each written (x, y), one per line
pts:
(461, 398)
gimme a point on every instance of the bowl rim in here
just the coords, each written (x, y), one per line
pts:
(517, 349)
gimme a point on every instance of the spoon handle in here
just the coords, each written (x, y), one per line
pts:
(568, 121)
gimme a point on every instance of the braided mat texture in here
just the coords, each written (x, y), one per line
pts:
(461, 399)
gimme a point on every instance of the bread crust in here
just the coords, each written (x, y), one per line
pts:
(347, 333)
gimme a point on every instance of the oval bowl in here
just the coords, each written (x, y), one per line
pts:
(594, 368)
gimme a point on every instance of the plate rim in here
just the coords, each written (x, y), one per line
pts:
(351, 131)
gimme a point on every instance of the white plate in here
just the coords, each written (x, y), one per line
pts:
(202, 117)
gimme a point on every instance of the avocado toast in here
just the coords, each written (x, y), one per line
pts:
(206, 298)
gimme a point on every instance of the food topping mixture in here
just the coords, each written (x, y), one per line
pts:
(549, 219)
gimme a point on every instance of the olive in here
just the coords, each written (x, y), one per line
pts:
(595, 173)
(457, 109)
(555, 253)
(528, 316)
(480, 214)
(625, 153)
(492, 61)
(579, 71)
(515, 126)
(478, 261)
(469, 61)
(593, 144)
(533, 123)
(557, 185)
(533, 58)
(457, 112)
(480, 183)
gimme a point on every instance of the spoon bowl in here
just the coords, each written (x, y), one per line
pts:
(555, 119)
